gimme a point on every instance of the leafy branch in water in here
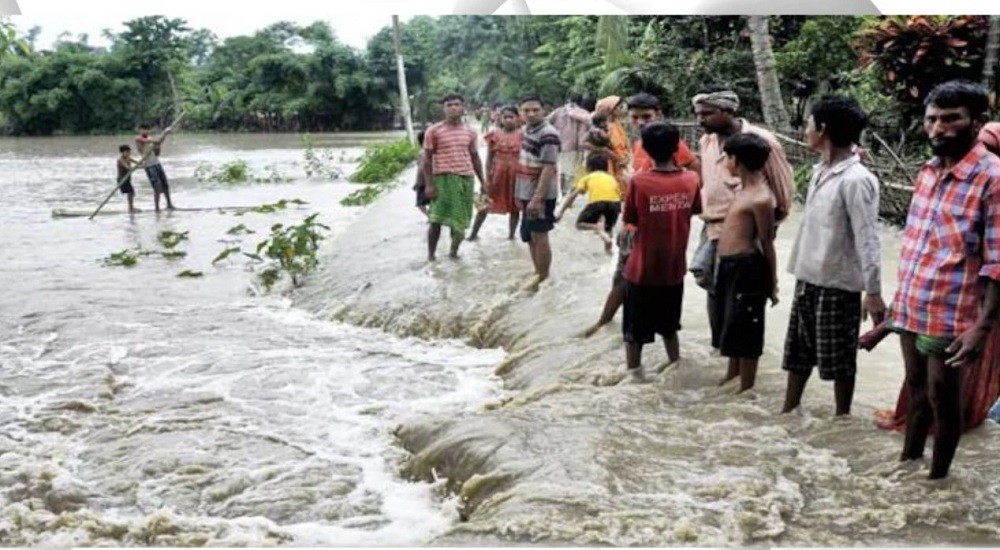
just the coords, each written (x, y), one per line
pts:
(380, 167)
(170, 239)
(239, 230)
(124, 258)
(188, 274)
(237, 171)
(272, 207)
(321, 163)
(290, 250)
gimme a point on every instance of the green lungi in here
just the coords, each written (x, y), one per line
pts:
(453, 204)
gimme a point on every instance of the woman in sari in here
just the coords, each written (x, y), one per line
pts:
(981, 380)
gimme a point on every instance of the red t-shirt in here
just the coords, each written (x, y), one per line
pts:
(660, 206)
(642, 161)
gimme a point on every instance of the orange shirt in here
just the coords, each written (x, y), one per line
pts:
(642, 161)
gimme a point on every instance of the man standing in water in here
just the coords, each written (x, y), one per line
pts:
(836, 256)
(949, 270)
(535, 187)
(149, 148)
(451, 160)
(572, 123)
(715, 108)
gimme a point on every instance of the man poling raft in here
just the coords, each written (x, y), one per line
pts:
(149, 149)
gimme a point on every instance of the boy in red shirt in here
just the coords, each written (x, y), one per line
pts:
(658, 208)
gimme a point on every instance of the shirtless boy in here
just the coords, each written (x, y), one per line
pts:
(746, 272)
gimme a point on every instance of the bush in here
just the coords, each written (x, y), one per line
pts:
(382, 162)
(380, 165)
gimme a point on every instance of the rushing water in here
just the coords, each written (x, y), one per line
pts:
(577, 456)
(141, 408)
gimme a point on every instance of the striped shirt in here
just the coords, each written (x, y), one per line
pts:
(539, 148)
(452, 146)
(952, 238)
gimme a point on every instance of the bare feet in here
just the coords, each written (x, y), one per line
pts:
(431, 258)
(592, 330)
(725, 379)
(454, 256)
(638, 376)
(532, 285)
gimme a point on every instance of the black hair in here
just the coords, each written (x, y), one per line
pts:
(144, 125)
(960, 93)
(451, 97)
(509, 109)
(750, 150)
(597, 162)
(588, 103)
(530, 97)
(660, 140)
(643, 100)
(842, 118)
(420, 137)
(598, 118)
(123, 147)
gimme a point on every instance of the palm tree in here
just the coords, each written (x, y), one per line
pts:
(775, 114)
(404, 96)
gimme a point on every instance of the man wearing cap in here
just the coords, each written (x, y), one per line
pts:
(715, 108)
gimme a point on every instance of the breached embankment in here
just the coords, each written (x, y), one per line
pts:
(575, 456)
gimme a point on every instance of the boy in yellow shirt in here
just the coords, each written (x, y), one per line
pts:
(603, 200)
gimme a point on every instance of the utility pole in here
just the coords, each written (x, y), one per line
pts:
(404, 97)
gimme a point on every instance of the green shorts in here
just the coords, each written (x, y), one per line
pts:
(934, 347)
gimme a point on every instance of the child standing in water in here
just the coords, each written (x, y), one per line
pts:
(125, 163)
(746, 275)
(658, 207)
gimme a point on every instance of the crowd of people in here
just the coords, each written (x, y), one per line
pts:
(643, 194)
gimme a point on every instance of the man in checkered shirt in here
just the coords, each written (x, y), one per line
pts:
(949, 268)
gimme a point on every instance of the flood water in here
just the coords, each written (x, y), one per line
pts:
(394, 402)
(141, 408)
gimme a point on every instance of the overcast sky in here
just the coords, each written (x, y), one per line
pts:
(351, 29)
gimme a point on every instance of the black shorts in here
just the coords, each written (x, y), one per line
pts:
(742, 284)
(651, 310)
(593, 212)
(543, 224)
(823, 332)
(422, 199)
(126, 187)
(157, 178)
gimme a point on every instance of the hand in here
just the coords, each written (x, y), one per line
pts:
(873, 307)
(558, 217)
(534, 208)
(774, 296)
(430, 192)
(967, 347)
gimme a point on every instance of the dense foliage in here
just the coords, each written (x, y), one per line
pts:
(287, 77)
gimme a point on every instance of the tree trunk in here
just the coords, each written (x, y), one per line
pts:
(404, 97)
(990, 64)
(775, 114)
